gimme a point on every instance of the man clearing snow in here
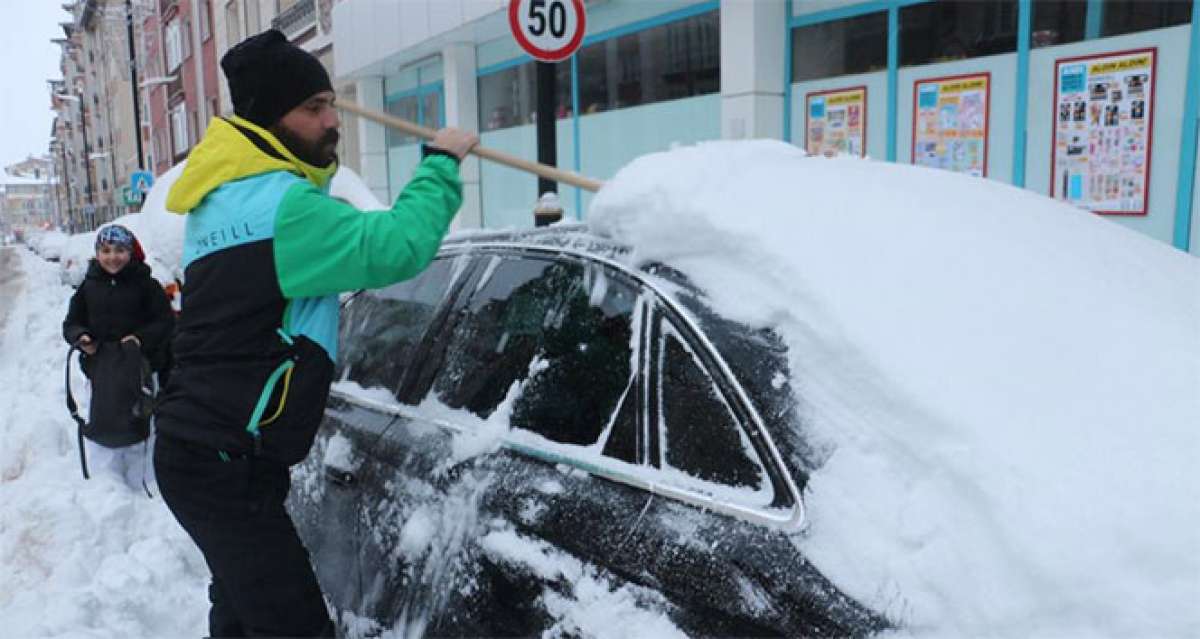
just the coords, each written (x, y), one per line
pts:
(266, 251)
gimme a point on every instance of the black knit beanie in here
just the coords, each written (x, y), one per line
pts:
(269, 76)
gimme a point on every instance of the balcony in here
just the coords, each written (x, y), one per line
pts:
(296, 19)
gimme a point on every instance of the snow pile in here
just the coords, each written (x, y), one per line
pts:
(80, 558)
(348, 186)
(47, 243)
(1008, 387)
(160, 231)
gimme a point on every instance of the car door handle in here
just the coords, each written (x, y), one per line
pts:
(339, 476)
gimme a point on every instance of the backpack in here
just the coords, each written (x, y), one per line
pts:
(123, 397)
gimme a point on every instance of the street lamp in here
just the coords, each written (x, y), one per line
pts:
(133, 81)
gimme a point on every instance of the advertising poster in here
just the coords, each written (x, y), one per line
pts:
(1103, 111)
(950, 123)
(836, 122)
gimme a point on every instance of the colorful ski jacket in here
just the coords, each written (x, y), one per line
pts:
(266, 251)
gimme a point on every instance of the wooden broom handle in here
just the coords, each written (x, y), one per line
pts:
(541, 170)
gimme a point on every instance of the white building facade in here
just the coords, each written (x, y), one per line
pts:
(968, 85)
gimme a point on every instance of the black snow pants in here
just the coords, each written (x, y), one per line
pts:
(262, 582)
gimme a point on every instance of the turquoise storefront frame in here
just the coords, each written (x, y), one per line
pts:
(420, 91)
(1185, 187)
(1021, 110)
(1093, 29)
(616, 32)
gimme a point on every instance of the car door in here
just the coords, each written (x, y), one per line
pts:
(379, 334)
(713, 538)
(524, 433)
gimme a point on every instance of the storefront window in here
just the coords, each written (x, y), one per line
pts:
(956, 29)
(404, 108)
(1058, 22)
(431, 110)
(668, 62)
(509, 98)
(840, 47)
(1129, 16)
(424, 108)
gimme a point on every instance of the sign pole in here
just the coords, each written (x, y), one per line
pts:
(550, 31)
(547, 137)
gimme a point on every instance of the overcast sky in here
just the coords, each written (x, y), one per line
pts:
(28, 59)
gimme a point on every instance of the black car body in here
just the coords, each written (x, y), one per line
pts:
(531, 387)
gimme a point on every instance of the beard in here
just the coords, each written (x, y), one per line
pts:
(320, 154)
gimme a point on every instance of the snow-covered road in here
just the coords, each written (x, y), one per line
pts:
(79, 558)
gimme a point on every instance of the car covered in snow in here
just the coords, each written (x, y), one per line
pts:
(530, 412)
(46, 243)
(768, 393)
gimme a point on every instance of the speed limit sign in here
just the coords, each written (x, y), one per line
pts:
(548, 30)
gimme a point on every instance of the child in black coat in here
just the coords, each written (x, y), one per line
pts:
(120, 303)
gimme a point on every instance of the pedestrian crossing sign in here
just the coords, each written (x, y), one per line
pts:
(140, 182)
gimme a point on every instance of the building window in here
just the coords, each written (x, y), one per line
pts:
(179, 130)
(160, 147)
(1058, 22)
(233, 29)
(423, 108)
(508, 98)
(432, 110)
(174, 46)
(206, 21)
(668, 62)
(406, 109)
(956, 29)
(185, 38)
(194, 126)
(1129, 16)
(840, 47)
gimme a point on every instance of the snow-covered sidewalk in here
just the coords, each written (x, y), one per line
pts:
(80, 558)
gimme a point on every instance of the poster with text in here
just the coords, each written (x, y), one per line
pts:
(950, 123)
(1103, 113)
(836, 122)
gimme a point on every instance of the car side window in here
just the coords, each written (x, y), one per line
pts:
(556, 339)
(699, 433)
(381, 328)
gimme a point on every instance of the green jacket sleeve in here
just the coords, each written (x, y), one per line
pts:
(324, 246)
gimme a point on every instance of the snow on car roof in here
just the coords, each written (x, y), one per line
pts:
(1004, 387)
